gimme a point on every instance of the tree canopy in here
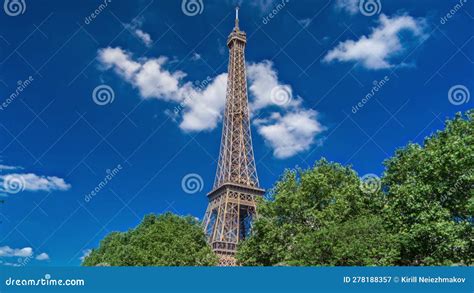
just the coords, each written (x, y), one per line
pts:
(421, 215)
(320, 216)
(163, 240)
(430, 196)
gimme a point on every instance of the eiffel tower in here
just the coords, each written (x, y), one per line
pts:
(232, 201)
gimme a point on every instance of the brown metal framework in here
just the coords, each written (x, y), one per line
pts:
(232, 202)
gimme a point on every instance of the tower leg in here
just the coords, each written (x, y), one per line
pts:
(228, 219)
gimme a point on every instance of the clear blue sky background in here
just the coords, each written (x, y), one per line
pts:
(54, 128)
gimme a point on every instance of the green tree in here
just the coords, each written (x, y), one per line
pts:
(164, 240)
(422, 216)
(431, 198)
(320, 216)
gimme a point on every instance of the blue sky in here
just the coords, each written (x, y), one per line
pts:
(125, 98)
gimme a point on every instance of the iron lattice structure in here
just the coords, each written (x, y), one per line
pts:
(232, 202)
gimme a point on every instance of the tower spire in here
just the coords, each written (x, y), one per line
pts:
(237, 18)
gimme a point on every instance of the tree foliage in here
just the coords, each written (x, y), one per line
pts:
(164, 240)
(319, 216)
(422, 215)
(430, 196)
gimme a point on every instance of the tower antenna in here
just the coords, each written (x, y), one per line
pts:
(237, 17)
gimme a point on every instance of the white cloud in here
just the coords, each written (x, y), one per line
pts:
(145, 37)
(42, 256)
(10, 264)
(377, 50)
(290, 133)
(119, 60)
(263, 82)
(201, 106)
(351, 6)
(154, 81)
(85, 253)
(8, 168)
(14, 182)
(263, 5)
(293, 130)
(135, 28)
(147, 75)
(7, 251)
(196, 56)
(32, 182)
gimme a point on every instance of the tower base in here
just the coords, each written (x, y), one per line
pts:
(228, 219)
(227, 260)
